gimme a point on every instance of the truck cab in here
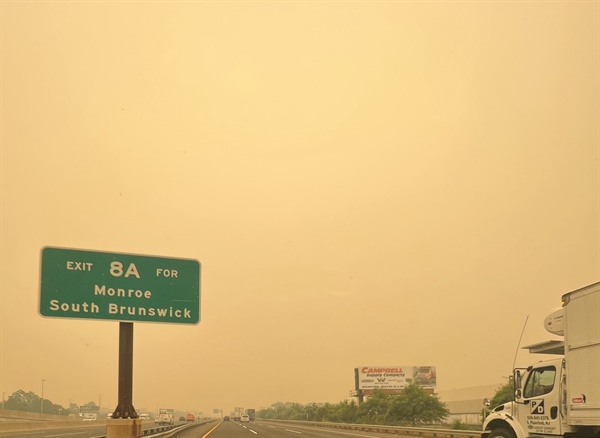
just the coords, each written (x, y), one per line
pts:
(558, 397)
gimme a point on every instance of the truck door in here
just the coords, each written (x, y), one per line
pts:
(539, 411)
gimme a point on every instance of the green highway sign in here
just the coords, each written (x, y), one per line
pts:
(116, 286)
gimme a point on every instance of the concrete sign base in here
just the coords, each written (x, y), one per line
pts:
(124, 428)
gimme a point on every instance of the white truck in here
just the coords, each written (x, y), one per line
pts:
(558, 397)
(165, 418)
(237, 413)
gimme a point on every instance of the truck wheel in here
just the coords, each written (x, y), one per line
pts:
(501, 432)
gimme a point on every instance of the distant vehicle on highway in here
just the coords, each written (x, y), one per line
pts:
(144, 416)
(237, 413)
(165, 419)
(190, 417)
(245, 419)
(225, 418)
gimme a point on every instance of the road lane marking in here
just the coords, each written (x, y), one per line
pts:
(253, 431)
(293, 431)
(211, 431)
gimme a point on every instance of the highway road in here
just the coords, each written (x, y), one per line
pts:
(215, 429)
(265, 429)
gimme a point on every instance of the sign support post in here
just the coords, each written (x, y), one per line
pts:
(125, 407)
(125, 422)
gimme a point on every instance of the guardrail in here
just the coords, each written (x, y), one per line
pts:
(174, 429)
(156, 429)
(398, 430)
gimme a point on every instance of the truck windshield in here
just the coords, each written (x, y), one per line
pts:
(540, 382)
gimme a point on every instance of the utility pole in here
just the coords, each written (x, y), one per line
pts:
(42, 407)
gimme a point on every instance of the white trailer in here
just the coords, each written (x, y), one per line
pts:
(558, 397)
(165, 417)
(237, 413)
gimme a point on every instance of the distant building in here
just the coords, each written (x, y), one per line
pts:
(466, 404)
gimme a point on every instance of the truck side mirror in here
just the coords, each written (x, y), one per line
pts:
(517, 379)
(518, 394)
(487, 402)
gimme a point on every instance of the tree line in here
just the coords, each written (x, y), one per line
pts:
(413, 406)
(31, 402)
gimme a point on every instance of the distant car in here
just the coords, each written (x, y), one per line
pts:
(245, 419)
(181, 418)
(144, 416)
(225, 418)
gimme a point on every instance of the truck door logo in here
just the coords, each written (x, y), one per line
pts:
(381, 379)
(537, 407)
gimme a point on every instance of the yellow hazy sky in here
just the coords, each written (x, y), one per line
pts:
(364, 183)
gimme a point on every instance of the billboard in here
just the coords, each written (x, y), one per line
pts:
(394, 377)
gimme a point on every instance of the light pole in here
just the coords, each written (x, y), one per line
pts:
(42, 407)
